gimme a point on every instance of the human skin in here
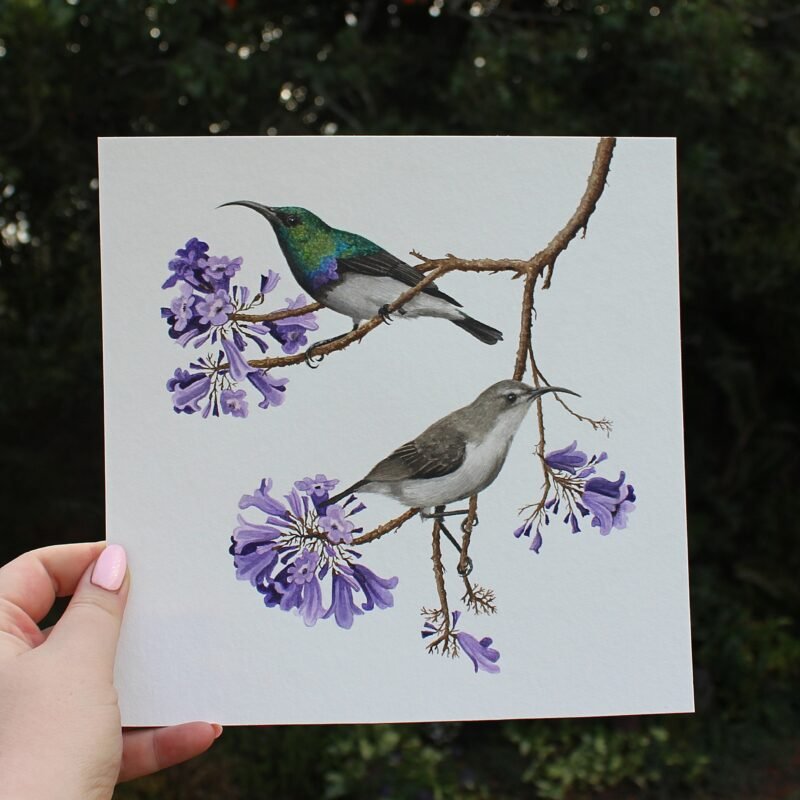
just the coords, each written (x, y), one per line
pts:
(60, 732)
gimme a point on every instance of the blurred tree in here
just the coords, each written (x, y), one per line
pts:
(721, 75)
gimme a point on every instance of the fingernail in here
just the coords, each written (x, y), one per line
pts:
(217, 730)
(109, 571)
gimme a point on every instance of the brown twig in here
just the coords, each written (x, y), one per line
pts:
(387, 527)
(603, 424)
(273, 316)
(443, 640)
(478, 599)
(467, 525)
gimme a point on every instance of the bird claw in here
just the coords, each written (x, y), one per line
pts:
(384, 313)
(313, 361)
(464, 569)
(465, 520)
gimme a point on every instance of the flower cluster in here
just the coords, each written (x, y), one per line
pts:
(303, 548)
(204, 312)
(480, 652)
(572, 489)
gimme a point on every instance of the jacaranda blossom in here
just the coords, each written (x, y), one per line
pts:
(575, 493)
(569, 459)
(483, 656)
(610, 502)
(336, 526)
(233, 402)
(210, 310)
(188, 389)
(186, 266)
(214, 308)
(293, 559)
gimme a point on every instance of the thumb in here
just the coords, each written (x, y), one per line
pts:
(89, 628)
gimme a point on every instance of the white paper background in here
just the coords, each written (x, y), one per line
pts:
(592, 625)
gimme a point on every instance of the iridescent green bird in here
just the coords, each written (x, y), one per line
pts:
(353, 276)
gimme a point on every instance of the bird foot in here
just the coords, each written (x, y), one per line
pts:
(464, 569)
(384, 313)
(313, 361)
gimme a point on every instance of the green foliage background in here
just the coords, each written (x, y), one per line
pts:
(721, 75)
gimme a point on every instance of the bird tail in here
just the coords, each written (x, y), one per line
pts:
(479, 330)
(337, 497)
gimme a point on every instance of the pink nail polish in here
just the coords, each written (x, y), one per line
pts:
(109, 571)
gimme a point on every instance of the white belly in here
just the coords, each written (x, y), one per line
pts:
(361, 296)
(481, 466)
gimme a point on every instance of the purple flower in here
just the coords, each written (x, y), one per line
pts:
(375, 589)
(290, 337)
(214, 309)
(181, 307)
(269, 282)
(253, 550)
(219, 271)
(609, 501)
(569, 459)
(482, 655)
(524, 529)
(273, 389)
(304, 567)
(297, 586)
(310, 607)
(233, 402)
(306, 321)
(536, 544)
(288, 543)
(316, 487)
(262, 500)
(342, 606)
(188, 389)
(291, 331)
(187, 327)
(336, 525)
(185, 266)
(238, 368)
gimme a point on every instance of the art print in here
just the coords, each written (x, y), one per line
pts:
(248, 343)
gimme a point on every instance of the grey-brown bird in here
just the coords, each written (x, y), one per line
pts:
(456, 457)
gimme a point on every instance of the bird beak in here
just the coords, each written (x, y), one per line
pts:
(265, 211)
(545, 389)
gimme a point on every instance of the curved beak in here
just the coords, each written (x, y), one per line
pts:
(265, 211)
(545, 389)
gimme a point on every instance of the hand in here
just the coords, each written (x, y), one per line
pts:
(60, 732)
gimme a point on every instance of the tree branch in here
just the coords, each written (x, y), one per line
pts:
(387, 527)
(284, 313)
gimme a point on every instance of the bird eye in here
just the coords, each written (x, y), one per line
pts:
(511, 397)
(292, 220)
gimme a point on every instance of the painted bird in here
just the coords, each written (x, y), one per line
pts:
(456, 457)
(354, 276)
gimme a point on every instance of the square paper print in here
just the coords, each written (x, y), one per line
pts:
(393, 428)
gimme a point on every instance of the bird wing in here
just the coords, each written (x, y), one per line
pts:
(381, 263)
(438, 451)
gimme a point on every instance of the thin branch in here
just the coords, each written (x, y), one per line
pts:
(284, 313)
(580, 219)
(603, 424)
(467, 525)
(443, 612)
(387, 527)
(526, 323)
(478, 599)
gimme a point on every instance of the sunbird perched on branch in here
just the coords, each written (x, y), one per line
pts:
(354, 276)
